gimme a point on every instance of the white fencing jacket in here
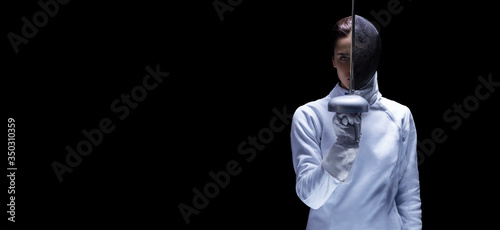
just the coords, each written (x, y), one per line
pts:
(384, 191)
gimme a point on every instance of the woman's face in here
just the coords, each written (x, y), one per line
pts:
(341, 60)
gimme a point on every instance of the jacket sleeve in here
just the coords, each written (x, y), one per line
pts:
(408, 195)
(313, 184)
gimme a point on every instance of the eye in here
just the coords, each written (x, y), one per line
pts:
(344, 58)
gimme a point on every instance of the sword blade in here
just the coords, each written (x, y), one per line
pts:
(351, 72)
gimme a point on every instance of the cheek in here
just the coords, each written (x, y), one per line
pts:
(343, 67)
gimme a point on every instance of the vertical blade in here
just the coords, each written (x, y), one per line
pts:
(351, 74)
(351, 103)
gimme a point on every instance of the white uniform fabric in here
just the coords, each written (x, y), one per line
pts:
(383, 190)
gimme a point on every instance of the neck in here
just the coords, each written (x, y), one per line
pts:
(343, 86)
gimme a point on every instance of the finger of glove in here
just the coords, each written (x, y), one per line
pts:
(344, 118)
(347, 127)
(346, 134)
(357, 127)
(345, 121)
(356, 118)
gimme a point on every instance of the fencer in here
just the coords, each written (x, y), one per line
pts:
(357, 171)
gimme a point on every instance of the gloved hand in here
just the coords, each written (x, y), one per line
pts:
(347, 127)
(340, 158)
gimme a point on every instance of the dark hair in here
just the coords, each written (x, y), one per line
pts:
(341, 30)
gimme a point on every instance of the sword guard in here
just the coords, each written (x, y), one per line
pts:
(348, 104)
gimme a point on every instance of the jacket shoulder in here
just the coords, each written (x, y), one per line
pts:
(398, 112)
(394, 105)
(311, 116)
(313, 108)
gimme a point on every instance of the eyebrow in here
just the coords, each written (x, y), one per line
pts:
(346, 54)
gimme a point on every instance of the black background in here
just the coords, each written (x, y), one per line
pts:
(225, 79)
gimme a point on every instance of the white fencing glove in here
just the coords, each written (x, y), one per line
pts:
(340, 158)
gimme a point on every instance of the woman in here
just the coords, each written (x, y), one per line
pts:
(357, 171)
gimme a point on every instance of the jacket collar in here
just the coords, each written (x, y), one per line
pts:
(370, 91)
